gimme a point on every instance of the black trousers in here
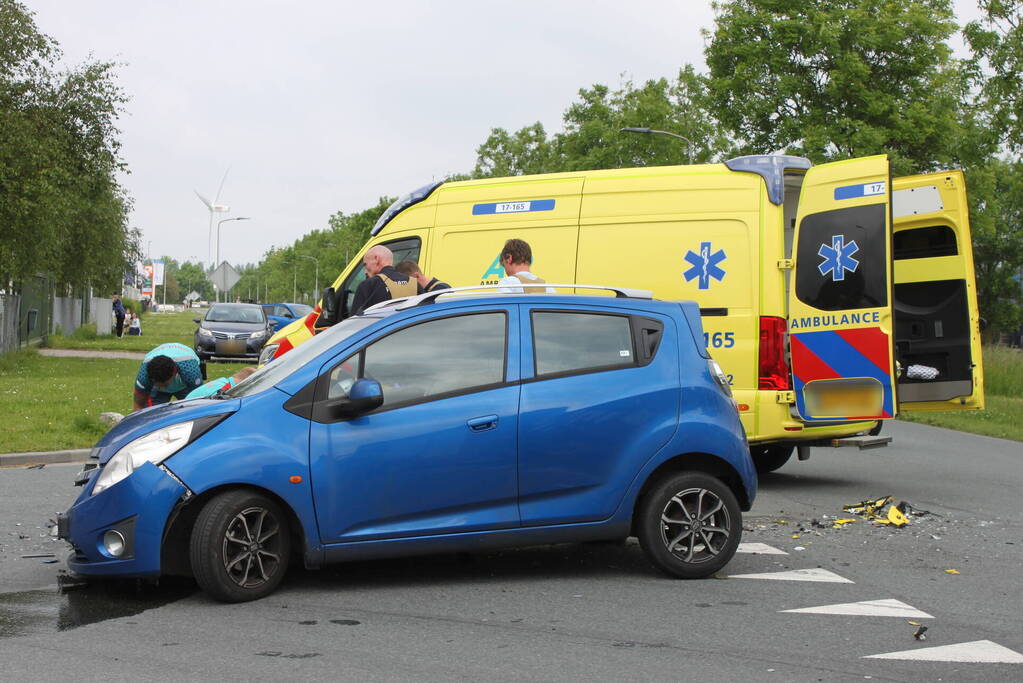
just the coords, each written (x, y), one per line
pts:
(120, 325)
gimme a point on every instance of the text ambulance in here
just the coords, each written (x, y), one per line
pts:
(833, 296)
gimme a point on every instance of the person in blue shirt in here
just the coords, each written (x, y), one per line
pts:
(119, 314)
(169, 370)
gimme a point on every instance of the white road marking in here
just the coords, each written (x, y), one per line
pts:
(819, 575)
(977, 651)
(867, 608)
(759, 549)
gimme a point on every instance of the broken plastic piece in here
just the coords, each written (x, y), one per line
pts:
(919, 633)
(896, 518)
(840, 523)
(951, 571)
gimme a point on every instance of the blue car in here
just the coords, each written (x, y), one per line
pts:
(434, 424)
(280, 315)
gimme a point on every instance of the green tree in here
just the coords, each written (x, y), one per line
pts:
(526, 151)
(832, 80)
(997, 40)
(62, 210)
(996, 210)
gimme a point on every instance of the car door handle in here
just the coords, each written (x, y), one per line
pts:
(483, 424)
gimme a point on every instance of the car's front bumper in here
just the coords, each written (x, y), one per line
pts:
(137, 507)
(220, 348)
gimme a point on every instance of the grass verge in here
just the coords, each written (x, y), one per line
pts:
(157, 328)
(1003, 389)
(54, 403)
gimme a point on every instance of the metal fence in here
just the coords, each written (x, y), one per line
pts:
(27, 317)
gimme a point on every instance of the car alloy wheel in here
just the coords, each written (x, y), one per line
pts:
(689, 525)
(240, 546)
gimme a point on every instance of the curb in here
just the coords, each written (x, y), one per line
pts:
(44, 457)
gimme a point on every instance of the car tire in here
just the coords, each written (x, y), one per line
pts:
(770, 458)
(668, 515)
(240, 546)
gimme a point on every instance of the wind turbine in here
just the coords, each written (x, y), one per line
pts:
(214, 208)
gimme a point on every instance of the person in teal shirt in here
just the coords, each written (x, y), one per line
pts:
(168, 371)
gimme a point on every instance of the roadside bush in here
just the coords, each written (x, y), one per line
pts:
(1003, 371)
(134, 305)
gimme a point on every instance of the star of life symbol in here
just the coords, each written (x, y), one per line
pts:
(705, 265)
(838, 258)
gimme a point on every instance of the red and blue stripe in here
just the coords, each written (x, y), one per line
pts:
(831, 354)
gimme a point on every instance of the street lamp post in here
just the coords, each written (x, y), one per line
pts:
(651, 131)
(219, 223)
(316, 286)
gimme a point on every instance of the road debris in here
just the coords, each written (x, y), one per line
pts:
(883, 511)
(38, 466)
(38, 555)
(919, 632)
(952, 571)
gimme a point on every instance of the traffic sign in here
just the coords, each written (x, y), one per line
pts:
(225, 277)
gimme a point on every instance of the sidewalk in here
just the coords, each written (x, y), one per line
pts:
(85, 353)
(44, 457)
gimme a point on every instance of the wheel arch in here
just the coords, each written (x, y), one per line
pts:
(174, 548)
(694, 462)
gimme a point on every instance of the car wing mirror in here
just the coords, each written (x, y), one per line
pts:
(364, 396)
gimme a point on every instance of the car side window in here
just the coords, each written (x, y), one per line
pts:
(283, 311)
(568, 343)
(440, 357)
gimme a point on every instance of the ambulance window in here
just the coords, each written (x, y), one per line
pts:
(937, 240)
(571, 343)
(841, 259)
(406, 249)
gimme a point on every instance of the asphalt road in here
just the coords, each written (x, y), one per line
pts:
(581, 612)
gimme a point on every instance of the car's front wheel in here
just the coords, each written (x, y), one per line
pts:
(240, 546)
(689, 525)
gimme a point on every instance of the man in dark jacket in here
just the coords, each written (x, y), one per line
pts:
(119, 314)
(383, 281)
(426, 284)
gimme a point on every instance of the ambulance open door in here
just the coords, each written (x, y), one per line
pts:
(937, 324)
(840, 305)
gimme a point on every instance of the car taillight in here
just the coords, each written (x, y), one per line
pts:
(774, 371)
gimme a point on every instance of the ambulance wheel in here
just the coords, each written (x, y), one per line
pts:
(240, 546)
(689, 525)
(769, 458)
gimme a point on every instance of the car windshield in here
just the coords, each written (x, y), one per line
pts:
(273, 372)
(301, 309)
(235, 313)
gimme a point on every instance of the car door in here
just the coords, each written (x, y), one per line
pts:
(840, 309)
(600, 396)
(937, 323)
(439, 456)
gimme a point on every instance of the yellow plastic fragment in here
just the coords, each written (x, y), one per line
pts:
(951, 571)
(840, 523)
(795, 535)
(896, 518)
(913, 623)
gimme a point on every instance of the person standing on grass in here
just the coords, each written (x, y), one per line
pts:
(168, 371)
(119, 314)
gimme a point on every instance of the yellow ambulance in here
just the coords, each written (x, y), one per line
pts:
(833, 296)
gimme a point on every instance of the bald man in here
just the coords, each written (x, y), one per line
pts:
(383, 281)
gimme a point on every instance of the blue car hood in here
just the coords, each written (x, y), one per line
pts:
(144, 421)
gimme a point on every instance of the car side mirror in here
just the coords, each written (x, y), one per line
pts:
(197, 320)
(364, 396)
(328, 308)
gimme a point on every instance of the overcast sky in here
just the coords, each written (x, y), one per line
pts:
(322, 106)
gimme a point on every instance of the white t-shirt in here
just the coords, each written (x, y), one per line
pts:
(513, 285)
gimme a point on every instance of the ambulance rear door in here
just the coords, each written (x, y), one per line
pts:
(937, 324)
(840, 307)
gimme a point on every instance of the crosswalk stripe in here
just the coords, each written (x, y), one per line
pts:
(866, 608)
(977, 651)
(759, 549)
(818, 575)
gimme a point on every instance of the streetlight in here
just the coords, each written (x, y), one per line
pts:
(225, 220)
(316, 287)
(651, 131)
